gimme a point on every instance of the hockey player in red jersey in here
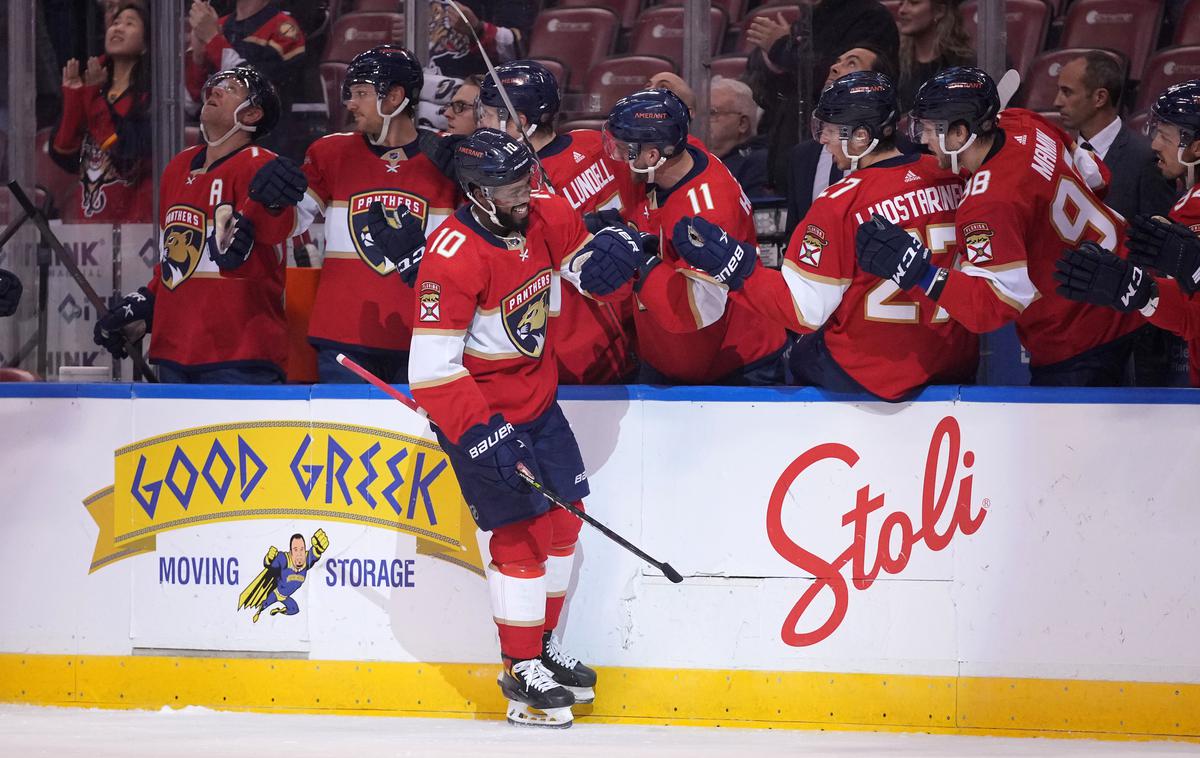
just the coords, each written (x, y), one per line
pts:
(1025, 202)
(215, 305)
(1158, 247)
(595, 344)
(482, 365)
(380, 194)
(688, 331)
(860, 332)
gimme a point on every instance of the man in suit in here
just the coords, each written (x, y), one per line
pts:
(1089, 94)
(810, 168)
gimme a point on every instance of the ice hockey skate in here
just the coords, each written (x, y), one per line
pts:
(568, 671)
(534, 698)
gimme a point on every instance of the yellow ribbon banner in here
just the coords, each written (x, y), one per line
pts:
(283, 470)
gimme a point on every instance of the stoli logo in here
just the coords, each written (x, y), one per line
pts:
(941, 477)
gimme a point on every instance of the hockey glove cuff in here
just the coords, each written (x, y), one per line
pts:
(887, 251)
(278, 184)
(709, 248)
(1091, 274)
(1166, 246)
(497, 447)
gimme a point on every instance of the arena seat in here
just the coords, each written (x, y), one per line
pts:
(354, 33)
(561, 73)
(733, 8)
(578, 37)
(789, 12)
(1027, 22)
(1166, 67)
(660, 30)
(1039, 85)
(626, 10)
(729, 66)
(610, 80)
(1188, 30)
(1130, 27)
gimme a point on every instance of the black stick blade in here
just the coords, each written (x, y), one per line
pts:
(671, 573)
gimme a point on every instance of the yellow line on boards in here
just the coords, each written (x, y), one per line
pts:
(698, 697)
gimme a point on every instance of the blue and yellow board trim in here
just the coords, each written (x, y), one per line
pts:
(695, 697)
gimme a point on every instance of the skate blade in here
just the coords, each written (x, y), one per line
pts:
(583, 695)
(520, 714)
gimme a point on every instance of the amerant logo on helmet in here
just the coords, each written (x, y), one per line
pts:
(867, 88)
(965, 85)
(470, 151)
(652, 114)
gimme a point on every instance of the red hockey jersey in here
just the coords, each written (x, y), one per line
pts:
(359, 304)
(484, 340)
(882, 337)
(204, 316)
(1022, 208)
(687, 328)
(595, 339)
(1177, 312)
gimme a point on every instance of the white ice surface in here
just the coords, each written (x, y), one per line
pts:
(64, 732)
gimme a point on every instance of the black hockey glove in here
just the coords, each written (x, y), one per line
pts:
(498, 447)
(1171, 248)
(396, 237)
(1091, 274)
(709, 248)
(889, 252)
(614, 256)
(440, 150)
(232, 238)
(125, 320)
(278, 184)
(10, 293)
(602, 218)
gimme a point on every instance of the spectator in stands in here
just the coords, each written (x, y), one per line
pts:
(810, 167)
(503, 26)
(932, 37)
(460, 111)
(675, 83)
(104, 131)
(1089, 98)
(257, 32)
(775, 66)
(733, 134)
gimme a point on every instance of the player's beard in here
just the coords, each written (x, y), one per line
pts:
(511, 224)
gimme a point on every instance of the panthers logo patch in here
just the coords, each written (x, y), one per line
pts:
(811, 245)
(357, 215)
(526, 313)
(183, 244)
(978, 240)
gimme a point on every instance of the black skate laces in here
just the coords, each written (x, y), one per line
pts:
(560, 656)
(535, 675)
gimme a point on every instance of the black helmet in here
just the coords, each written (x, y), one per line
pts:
(384, 67)
(531, 87)
(860, 99)
(959, 94)
(260, 93)
(491, 158)
(653, 117)
(1179, 105)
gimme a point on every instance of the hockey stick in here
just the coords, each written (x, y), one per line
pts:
(64, 258)
(1007, 87)
(503, 94)
(525, 473)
